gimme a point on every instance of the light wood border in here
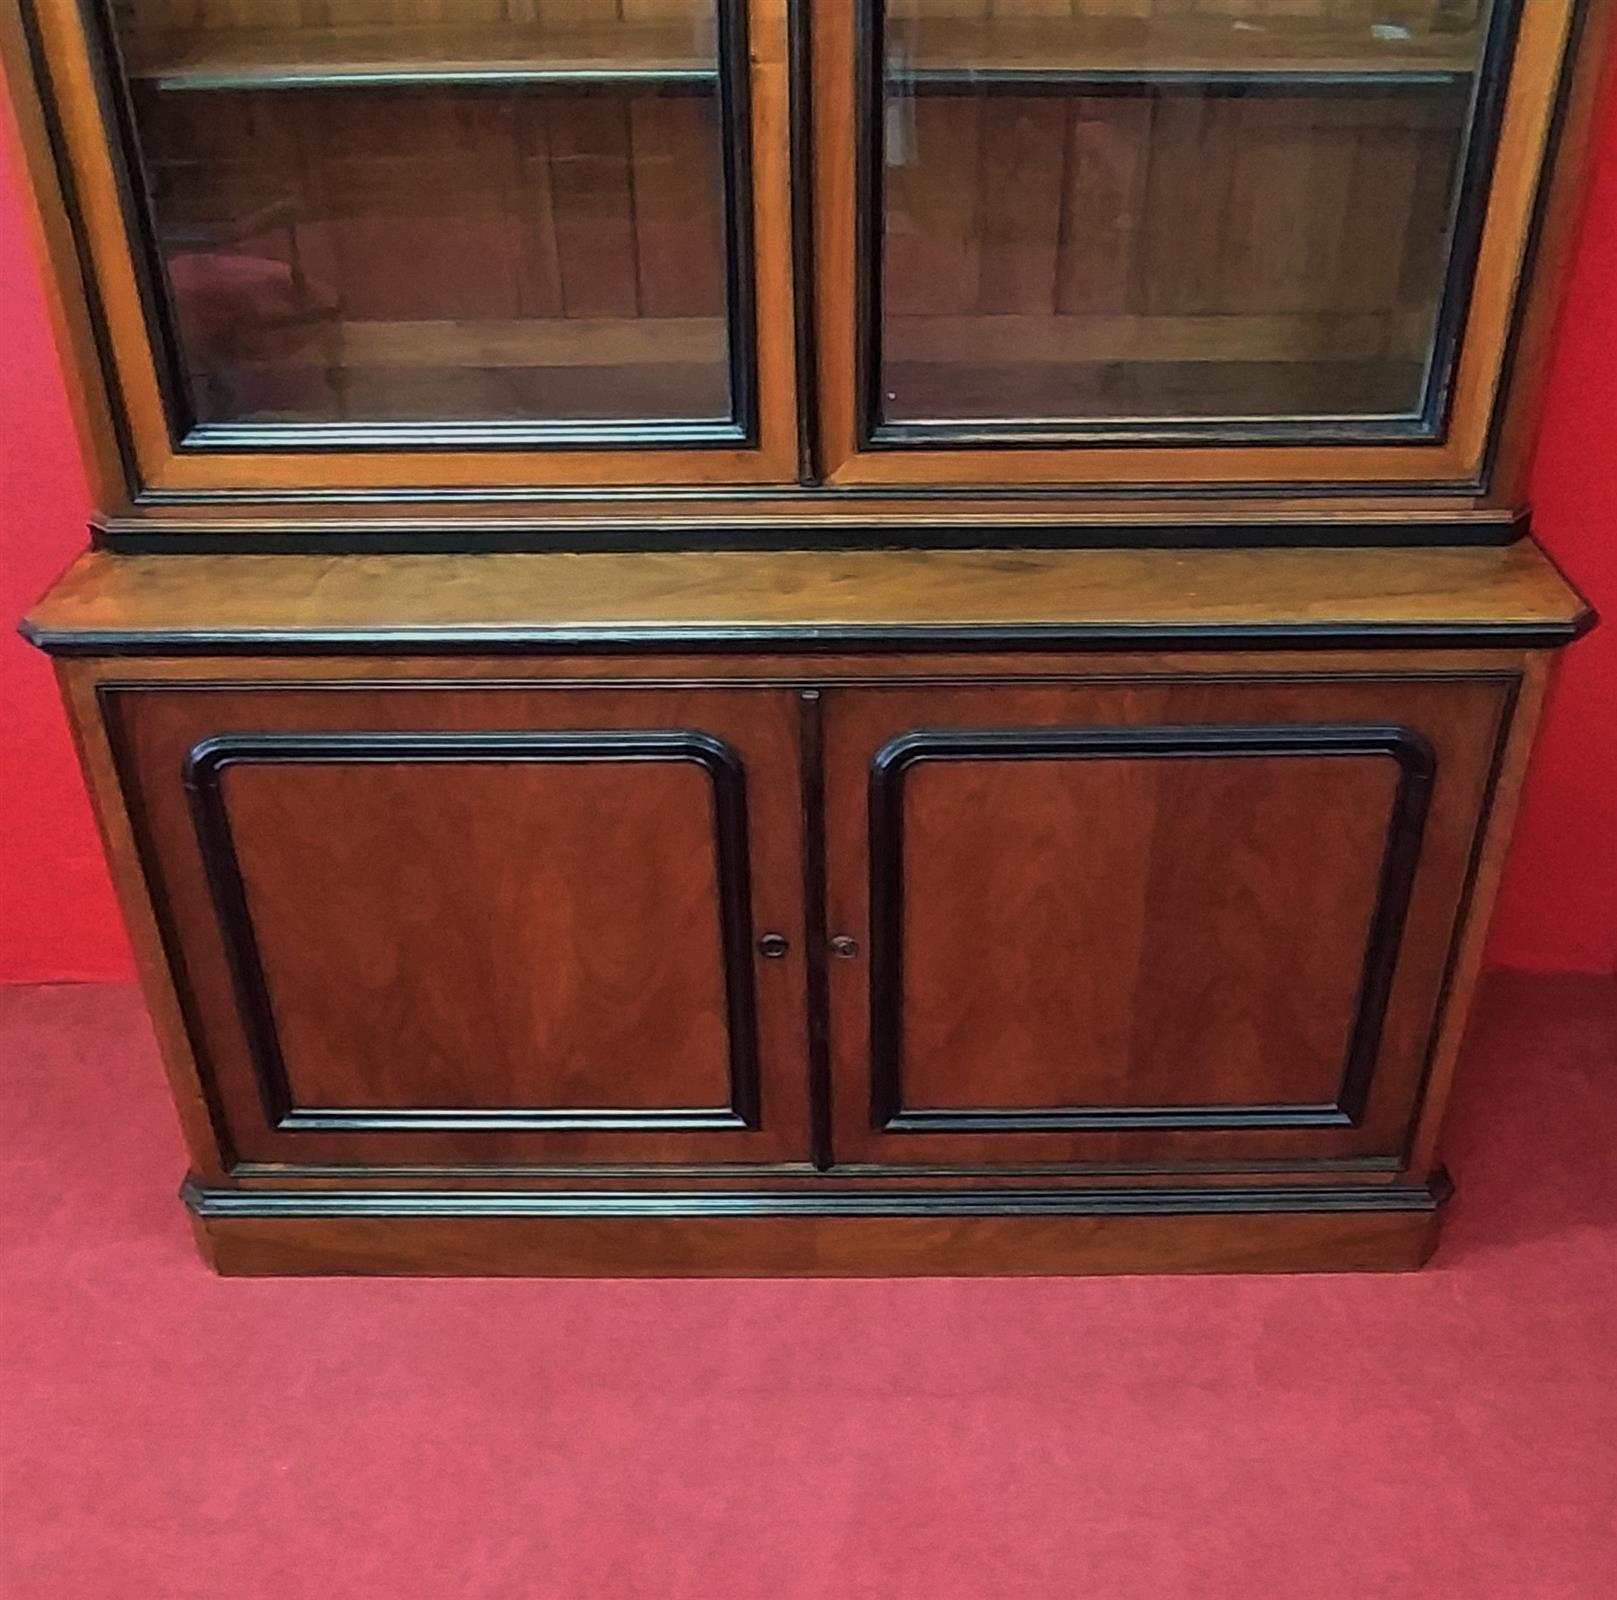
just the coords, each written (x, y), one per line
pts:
(78, 682)
(66, 294)
(1538, 60)
(1590, 91)
(1476, 910)
(88, 144)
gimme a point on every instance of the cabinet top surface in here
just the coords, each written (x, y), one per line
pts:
(108, 604)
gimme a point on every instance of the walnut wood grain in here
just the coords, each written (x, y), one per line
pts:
(105, 603)
(1147, 933)
(409, 937)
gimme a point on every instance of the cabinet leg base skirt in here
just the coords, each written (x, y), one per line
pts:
(984, 1233)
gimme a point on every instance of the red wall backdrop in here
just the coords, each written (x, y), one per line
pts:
(1559, 906)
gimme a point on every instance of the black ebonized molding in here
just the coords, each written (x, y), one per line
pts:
(869, 214)
(811, 756)
(1417, 766)
(1473, 186)
(205, 767)
(355, 537)
(822, 1201)
(800, 88)
(809, 638)
(735, 102)
(1154, 494)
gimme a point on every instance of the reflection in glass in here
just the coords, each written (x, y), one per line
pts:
(369, 214)
(1136, 212)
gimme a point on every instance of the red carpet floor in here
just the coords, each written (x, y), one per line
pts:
(1448, 1436)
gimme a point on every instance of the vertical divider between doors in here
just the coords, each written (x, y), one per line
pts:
(811, 743)
(800, 86)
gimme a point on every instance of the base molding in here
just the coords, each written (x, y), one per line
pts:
(834, 1232)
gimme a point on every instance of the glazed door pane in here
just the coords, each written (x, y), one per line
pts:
(473, 213)
(1234, 218)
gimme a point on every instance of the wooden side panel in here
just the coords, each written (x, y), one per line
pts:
(478, 926)
(1174, 925)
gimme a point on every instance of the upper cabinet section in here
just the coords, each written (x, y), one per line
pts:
(742, 261)
(396, 241)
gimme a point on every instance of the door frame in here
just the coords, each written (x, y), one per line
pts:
(76, 152)
(846, 235)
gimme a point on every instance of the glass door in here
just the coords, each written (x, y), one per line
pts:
(369, 227)
(1123, 240)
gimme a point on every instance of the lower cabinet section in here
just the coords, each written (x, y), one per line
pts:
(863, 970)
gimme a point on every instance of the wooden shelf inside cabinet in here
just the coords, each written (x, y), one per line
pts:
(583, 57)
(1022, 55)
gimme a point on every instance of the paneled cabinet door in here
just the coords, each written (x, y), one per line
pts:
(1159, 922)
(480, 925)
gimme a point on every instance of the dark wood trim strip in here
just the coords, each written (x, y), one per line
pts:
(827, 638)
(800, 78)
(811, 745)
(143, 537)
(824, 1201)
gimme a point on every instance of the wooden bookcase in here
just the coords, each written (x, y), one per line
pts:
(756, 635)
